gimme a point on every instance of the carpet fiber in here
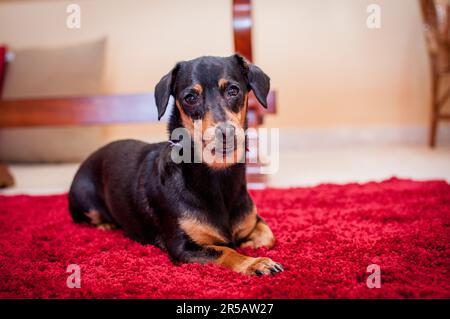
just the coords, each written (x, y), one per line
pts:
(326, 237)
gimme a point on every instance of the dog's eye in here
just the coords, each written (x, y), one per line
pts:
(233, 90)
(191, 99)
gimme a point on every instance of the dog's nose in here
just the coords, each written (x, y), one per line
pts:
(225, 130)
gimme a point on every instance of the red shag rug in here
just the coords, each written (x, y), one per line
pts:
(327, 236)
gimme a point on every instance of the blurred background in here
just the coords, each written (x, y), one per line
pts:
(359, 91)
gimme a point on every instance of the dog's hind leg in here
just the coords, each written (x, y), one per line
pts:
(96, 219)
(86, 206)
(93, 216)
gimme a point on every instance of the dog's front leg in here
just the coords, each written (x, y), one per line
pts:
(253, 232)
(231, 259)
(202, 243)
(260, 236)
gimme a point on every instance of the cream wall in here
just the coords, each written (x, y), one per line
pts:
(329, 70)
(145, 38)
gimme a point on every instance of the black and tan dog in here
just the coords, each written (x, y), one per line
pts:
(197, 212)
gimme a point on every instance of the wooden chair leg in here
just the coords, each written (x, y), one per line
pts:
(6, 178)
(433, 131)
(434, 111)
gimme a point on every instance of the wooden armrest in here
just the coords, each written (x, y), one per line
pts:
(78, 110)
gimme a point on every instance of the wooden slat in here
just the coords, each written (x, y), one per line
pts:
(242, 28)
(78, 110)
(130, 108)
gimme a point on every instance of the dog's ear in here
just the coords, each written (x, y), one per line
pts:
(257, 80)
(164, 89)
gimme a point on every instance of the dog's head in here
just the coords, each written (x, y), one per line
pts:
(211, 98)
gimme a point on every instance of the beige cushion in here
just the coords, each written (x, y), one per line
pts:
(73, 70)
(53, 72)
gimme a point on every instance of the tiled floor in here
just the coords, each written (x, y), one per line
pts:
(362, 164)
(297, 168)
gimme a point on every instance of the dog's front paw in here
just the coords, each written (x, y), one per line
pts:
(263, 266)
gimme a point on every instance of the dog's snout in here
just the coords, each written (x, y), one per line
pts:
(225, 130)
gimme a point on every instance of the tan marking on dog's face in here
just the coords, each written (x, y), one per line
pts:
(200, 232)
(245, 226)
(238, 119)
(207, 122)
(185, 119)
(188, 122)
(198, 88)
(243, 111)
(206, 134)
(222, 83)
